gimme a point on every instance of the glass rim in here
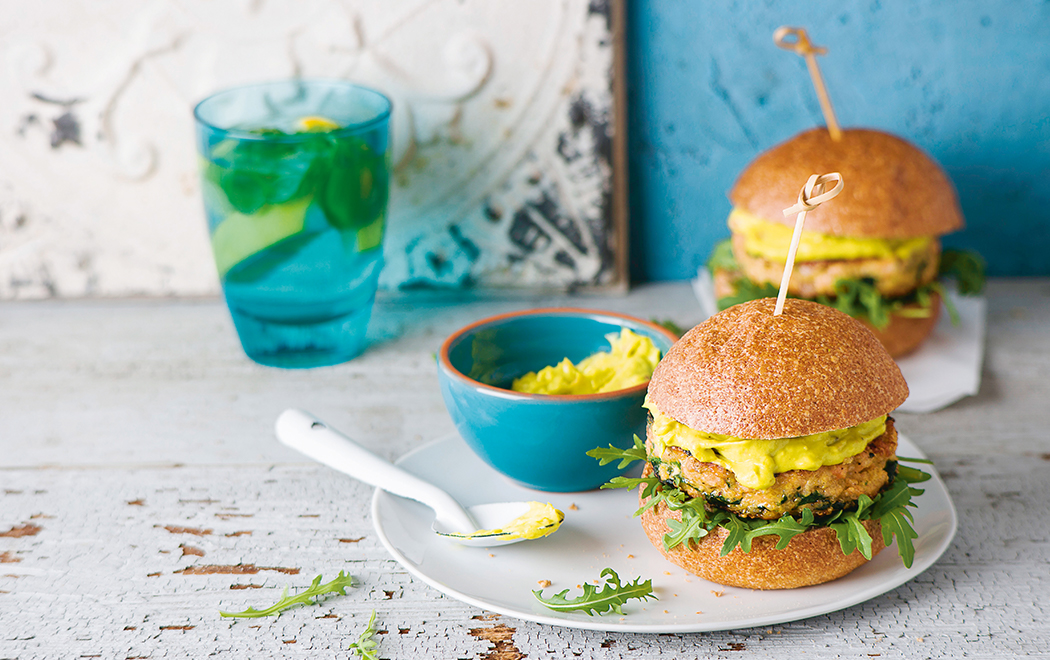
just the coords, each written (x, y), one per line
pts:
(241, 134)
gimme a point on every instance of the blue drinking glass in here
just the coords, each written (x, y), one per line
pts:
(295, 180)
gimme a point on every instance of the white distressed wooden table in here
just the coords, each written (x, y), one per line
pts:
(142, 489)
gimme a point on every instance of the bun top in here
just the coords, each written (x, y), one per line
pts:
(749, 374)
(892, 188)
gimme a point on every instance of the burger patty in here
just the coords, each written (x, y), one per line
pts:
(810, 279)
(824, 491)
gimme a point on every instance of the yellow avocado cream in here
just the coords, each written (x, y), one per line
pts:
(771, 240)
(629, 362)
(757, 462)
(540, 520)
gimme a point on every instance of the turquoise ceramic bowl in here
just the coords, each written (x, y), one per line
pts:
(540, 441)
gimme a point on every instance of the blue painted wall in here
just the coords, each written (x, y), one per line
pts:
(967, 81)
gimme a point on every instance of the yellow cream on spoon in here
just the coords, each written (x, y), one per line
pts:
(538, 521)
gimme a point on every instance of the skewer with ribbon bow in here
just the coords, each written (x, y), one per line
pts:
(812, 195)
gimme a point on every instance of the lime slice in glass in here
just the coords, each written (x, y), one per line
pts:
(370, 236)
(240, 236)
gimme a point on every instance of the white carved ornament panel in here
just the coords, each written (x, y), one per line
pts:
(502, 135)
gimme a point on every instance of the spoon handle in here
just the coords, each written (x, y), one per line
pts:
(307, 434)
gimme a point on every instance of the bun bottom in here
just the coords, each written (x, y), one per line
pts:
(903, 335)
(812, 557)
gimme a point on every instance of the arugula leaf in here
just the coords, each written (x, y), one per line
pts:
(695, 523)
(746, 290)
(722, 257)
(898, 495)
(852, 535)
(625, 456)
(593, 601)
(743, 289)
(912, 475)
(863, 504)
(366, 647)
(654, 499)
(860, 298)
(690, 528)
(953, 313)
(898, 523)
(891, 508)
(857, 298)
(668, 324)
(786, 528)
(338, 585)
(651, 484)
(966, 267)
(738, 535)
(915, 460)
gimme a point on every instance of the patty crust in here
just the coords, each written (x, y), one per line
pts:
(825, 490)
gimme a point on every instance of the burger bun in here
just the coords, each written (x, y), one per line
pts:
(812, 557)
(893, 189)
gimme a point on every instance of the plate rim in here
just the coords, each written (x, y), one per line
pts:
(609, 625)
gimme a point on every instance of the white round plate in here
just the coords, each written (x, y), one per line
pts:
(599, 531)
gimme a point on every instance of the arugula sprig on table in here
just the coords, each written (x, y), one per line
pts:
(366, 647)
(593, 600)
(889, 507)
(316, 589)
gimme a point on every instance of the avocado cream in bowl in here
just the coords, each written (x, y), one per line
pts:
(531, 392)
(629, 362)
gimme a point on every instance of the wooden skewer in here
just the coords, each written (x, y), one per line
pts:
(812, 195)
(801, 45)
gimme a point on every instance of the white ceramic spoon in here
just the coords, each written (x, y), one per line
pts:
(307, 434)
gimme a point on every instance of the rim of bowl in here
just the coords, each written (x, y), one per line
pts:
(563, 311)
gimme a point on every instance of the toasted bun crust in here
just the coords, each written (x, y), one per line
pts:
(749, 374)
(892, 189)
(812, 557)
(903, 335)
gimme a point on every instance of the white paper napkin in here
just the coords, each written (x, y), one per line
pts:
(946, 368)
